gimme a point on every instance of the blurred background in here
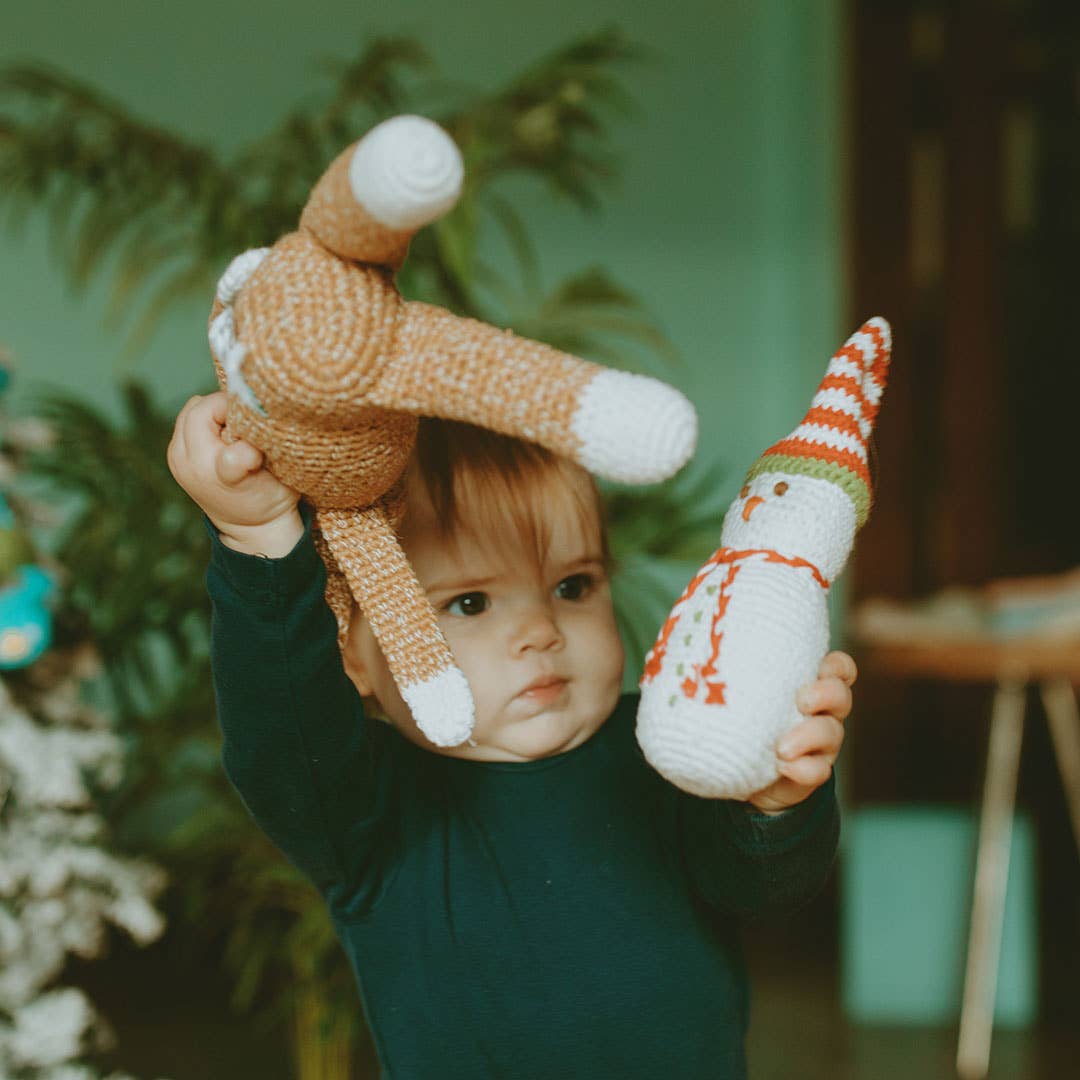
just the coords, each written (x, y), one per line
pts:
(718, 195)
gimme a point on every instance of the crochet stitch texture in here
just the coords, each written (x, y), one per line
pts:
(718, 689)
(328, 368)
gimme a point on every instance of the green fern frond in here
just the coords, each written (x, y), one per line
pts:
(194, 279)
(547, 121)
(133, 543)
(373, 80)
(513, 228)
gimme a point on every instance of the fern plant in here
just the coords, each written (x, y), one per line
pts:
(163, 215)
(145, 205)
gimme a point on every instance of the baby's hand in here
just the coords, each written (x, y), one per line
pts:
(251, 509)
(807, 752)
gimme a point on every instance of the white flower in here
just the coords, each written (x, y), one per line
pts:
(138, 917)
(68, 1072)
(59, 886)
(51, 1030)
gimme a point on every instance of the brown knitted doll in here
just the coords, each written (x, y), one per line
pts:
(328, 368)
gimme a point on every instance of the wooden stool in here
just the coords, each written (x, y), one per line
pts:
(1011, 666)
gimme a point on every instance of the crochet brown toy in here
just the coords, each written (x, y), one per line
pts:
(328, 368)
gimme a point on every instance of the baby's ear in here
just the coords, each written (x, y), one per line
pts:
(354, 668)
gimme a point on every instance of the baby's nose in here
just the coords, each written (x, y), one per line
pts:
(536, 629)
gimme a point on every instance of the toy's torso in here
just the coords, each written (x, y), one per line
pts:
(315, 332)
(750, 629)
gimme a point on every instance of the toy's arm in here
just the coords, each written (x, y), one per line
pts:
(751, 864)
(297, 746)
(622, 426)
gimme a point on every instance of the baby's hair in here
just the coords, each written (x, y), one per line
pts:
(476, 480)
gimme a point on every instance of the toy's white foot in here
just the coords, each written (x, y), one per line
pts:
(634, 429)
(442, 707)
(406, 172)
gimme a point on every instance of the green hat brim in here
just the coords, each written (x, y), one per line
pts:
(853, 486)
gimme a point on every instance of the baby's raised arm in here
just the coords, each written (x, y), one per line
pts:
(252, 510)
(296, 744)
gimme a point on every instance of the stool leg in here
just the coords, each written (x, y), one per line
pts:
(1063, 717)
(991, 880)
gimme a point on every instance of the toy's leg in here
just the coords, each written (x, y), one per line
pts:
(370, 202)
(622, 426)
(403, 622)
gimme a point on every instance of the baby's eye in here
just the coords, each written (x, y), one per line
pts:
(574, 587)
(470, 603)
(745, 491)
(780, 488)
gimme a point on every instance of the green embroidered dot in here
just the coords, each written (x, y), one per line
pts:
(697, 616)
(680, 669)
(688, 639)
(711, 589)
(671, 700)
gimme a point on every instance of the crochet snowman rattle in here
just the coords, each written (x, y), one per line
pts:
(328, 368)
(718, 688)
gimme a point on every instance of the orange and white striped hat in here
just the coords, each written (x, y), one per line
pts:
(831, 442)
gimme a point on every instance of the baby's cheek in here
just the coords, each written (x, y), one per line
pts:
(605, 659)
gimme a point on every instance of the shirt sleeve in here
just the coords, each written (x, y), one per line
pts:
(297, 745)
(752, 864)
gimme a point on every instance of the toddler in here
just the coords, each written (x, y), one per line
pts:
(536, 904)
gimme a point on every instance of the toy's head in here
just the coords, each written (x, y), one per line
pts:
(328, 368)
(809, 493)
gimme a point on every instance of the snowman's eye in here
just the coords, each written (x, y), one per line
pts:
(745, 491)
(780, 488)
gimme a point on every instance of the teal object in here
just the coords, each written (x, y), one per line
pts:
(907, 881)
(25, 620)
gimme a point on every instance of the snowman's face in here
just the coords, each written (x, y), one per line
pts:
(794, 515)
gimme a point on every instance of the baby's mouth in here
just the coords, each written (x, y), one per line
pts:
(546, 689)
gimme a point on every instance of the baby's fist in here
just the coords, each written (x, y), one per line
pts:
(251, 509)
(807, 753)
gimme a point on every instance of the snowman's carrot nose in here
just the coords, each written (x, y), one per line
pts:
(751, 506)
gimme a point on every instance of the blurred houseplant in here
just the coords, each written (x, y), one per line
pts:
(61, 884)
(143, 205)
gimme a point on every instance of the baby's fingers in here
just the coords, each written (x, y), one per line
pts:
(838, 665)
(817, 735)
(830, 695)
(236, 461)
(810, 771)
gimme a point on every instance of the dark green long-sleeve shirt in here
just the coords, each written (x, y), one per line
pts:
(570, 917)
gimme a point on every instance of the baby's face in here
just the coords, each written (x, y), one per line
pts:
(539, 645)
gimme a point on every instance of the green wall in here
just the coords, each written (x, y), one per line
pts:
(727, 217)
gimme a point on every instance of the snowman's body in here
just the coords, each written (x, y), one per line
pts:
(719, 687)
(750, 629)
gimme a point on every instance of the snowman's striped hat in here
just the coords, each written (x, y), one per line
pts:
(831, 441)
